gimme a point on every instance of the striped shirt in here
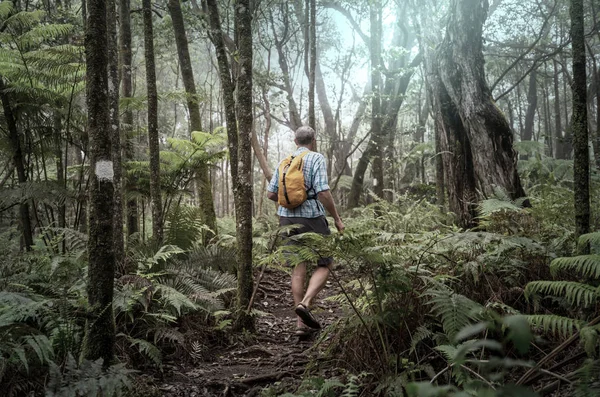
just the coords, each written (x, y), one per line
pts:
(315, 181)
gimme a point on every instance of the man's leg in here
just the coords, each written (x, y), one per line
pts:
(316, 284)
(298, 280)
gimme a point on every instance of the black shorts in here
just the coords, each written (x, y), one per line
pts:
(316, 225)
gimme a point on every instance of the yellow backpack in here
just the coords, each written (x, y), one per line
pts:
(292, 191)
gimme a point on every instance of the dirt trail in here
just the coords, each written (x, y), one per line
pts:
(275, 355)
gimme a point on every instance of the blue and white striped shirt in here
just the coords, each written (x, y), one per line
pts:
(315, 181)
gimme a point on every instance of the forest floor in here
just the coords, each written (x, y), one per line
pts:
(274, 355)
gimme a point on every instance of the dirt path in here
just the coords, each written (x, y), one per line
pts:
(275, 355)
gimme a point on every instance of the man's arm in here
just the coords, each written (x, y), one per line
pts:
(326, 199)
(273, 187)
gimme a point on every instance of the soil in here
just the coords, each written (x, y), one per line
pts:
(273, 356)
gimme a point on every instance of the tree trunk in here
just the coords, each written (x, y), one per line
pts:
(294, 115)
(153, 144)
(202, 180)
(19, 161)
(477, 142)
(127, 92)
(375, 11)
(216, 36)
(559, 146)
(100, 330)
(596, 138)
(312, 52)
(581, 156)
(440, 189)
(239, 118)
(244, 199)
(531, 108)
(115, 130)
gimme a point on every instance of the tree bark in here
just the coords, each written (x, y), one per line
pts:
(477, 142)
(216, 36)
(559, 145)
(113, 99)
(532, 99)
(244, 199)
(127, 92)
(205, 195)
(581, 156)
(100, 329)
(153, 143)
(19, 162)
(375, 10)
(312, 121)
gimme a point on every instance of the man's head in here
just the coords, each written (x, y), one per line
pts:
(305, 136)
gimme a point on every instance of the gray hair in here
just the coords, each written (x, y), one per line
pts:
(304, 135)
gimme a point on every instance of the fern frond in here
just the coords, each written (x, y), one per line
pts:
(557, 325)
(590, 238)
(455, 311)
(575, 293)
(586, 265)
(329, 386)
(145, 348)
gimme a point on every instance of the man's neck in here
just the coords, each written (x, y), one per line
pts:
(303, 146)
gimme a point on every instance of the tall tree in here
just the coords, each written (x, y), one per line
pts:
(477, 142)
(19, 164)
(207, 205)
(153, 144)
(532, 99)
(243, 19)
(375, 14)
(311, 43)
(126, 60)
(239, 118)
(100, 329)
(113, 99)
(581, 154)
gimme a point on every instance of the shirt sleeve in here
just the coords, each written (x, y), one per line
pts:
(320, 183)
(274, 184)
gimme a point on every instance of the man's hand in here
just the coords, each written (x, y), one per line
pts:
(339, 225)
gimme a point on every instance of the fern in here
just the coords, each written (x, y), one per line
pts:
(557, 325)
(145, 348)
(586, 265)
(455, 311)
(590, 238)
(88, 379)
(575, 293)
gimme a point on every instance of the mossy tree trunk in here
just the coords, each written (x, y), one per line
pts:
(239, 118)
(243, 18)
(115, 130)
(100, 329)
(477, 142)
(581, 154)
(153, 143)
(205, 195)
(126, 60)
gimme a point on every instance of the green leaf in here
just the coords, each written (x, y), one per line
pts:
(519, 332)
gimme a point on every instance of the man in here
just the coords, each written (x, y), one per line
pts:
(310, 216)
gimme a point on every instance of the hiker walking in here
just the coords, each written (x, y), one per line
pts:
(301, 189)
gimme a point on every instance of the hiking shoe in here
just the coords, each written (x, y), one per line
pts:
(306, 316)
